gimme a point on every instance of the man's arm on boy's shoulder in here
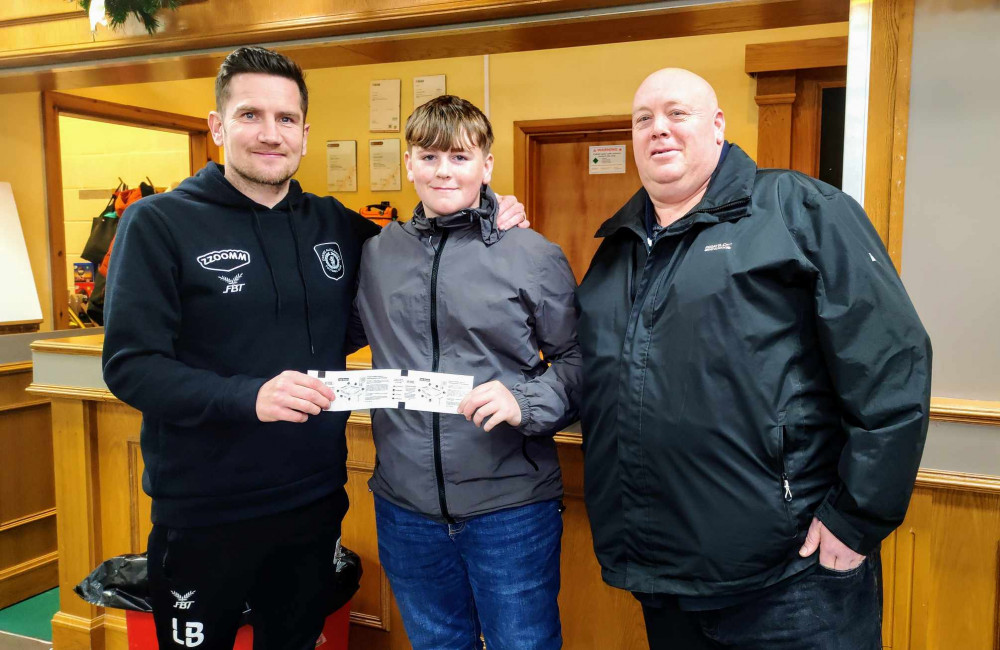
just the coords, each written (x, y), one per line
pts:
(511, 213)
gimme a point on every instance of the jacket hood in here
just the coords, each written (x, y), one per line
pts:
(485, 216)
(210, 185)
(727, 198)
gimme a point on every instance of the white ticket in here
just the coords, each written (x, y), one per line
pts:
(437, 392)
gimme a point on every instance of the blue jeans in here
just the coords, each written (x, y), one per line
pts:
(825, 610)
(495, 574)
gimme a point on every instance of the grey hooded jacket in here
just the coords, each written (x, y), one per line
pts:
(457, 295)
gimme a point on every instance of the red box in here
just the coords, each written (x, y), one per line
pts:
(142, 631)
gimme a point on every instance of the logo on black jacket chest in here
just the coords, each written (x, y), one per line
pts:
(224, 260)
(330, 259)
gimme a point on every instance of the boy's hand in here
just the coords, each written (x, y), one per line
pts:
(292, 397)
(511, 213)
(492, 400)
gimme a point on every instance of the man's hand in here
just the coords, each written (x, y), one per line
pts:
(292, 397)
(492, 400)
(511, 213)
(833, 553)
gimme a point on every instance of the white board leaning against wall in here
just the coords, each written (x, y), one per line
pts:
(20, 299)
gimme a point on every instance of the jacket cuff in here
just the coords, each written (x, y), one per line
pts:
(241, 402)
(524, 404)
(845, 527)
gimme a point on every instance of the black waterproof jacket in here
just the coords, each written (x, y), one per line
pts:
(757, 365)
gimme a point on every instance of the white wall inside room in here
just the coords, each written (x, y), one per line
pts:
(952, 216)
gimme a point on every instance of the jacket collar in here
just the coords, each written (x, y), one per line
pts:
(727, 199)
(485, 217)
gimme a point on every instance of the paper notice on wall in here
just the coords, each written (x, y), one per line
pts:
(384, 168)
(607, 159)
(436, 392)
(427, 88)
(341, 166)
(383, 105)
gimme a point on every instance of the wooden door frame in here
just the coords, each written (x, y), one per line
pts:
(526, 139)
(888, 106)
(201, 149)
(781, 70)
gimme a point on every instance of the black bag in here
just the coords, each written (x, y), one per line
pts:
(122, 582)
(95, 305)
(102, 231)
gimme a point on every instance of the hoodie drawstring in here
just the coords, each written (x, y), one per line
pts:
(302, 276)
(267, 260)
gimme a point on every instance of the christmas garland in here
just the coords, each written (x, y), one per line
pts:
(118, 11)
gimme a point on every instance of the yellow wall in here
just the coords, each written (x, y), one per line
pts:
(95, 155)
(571, 82)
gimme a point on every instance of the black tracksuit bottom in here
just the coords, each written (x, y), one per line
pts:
(281, 565)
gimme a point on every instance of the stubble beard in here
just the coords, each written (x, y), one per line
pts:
(254, 178)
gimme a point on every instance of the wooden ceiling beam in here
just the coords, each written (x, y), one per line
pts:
(454, 42)
(796, 55)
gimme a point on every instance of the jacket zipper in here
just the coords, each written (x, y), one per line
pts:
(786, 486)
(524, 451)
(436, 347)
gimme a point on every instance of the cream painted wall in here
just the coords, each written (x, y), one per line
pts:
(572, 82)
(338, 110)
(96, 154)
(582, 81)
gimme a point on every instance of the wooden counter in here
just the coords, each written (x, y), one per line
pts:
(103, 512)
(941, 567)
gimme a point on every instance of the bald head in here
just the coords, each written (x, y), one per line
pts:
(678, 132)
(680, 83)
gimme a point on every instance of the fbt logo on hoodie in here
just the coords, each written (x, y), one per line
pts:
(226, 261)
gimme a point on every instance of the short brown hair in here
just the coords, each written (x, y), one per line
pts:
(258, 60)
(446, 123)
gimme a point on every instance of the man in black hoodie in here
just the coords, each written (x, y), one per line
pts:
(221, 294)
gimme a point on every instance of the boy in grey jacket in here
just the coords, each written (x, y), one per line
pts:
(468, 508)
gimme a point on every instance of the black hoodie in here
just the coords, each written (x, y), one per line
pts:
(210, 295)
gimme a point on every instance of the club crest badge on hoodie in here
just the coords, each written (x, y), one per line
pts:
(330, 259)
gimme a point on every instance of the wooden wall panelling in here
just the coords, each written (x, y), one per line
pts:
(888, 120)
(28, 556)
(373, 603)
(125, 522)
(942, 586)
(947, 409)
(20, 11)
(78, 492)
(594, 615)
(941, 566)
